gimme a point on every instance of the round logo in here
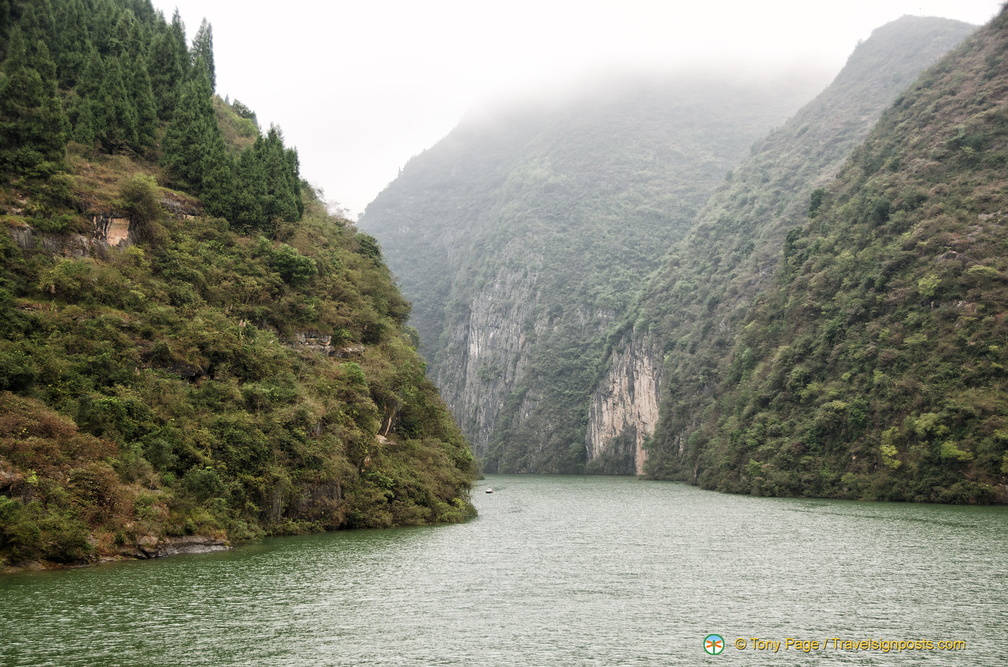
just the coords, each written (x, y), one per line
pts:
(713, 644)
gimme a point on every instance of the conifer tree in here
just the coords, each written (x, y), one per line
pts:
(5, 24)
(103, 16)
(73, 41)
(38, 24)
(84, 125)
(250, 192)
(219, 187)
(143, 100)
(193, 137)
(202, 52)
(168, 66)
(283, 194)
(92, 74)
(294, 179)
(181, 49)
(115, 113)
(33, 125)
(125, 37)
(81, 109)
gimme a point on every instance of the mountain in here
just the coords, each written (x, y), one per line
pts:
(663, 369)
(874, 365)
(193, 351)
(522, 236)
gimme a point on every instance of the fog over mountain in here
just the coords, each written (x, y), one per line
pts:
(523, 237)
(361, 87)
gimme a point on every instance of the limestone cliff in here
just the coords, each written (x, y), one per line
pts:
(523, 236)
(696, 302)
(487, 351)
(624, 406)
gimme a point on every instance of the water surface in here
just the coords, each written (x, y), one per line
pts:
(555, 571)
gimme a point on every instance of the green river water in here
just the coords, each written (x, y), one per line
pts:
(555, 571)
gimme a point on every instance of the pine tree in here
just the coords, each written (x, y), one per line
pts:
(283, 193)
(294, 180)
(202, 52)
(6, 21)
(73, 41)
(81, 108)
(193, 134)
(250, 192)
(168, 66)
(219, 186)
(84, 125)
(143, 100)
(33, 125)
(116, 118)
(38, 24)
(103, 16)
(126, 39)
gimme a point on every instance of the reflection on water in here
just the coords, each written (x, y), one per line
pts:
(556, 570)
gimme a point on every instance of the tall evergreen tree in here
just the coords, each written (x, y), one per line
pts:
(81, 108)
(37, 27)
(168, 66)
(219, 190)
(143, 100)
(33, 125)
(115, 113)
(85, 130)
(193, 134)
(6, 20)
(250, 194)
(103, 17)
(38, 23)
(73, 41)
(126, 38)
(202, 52)
(283, 194)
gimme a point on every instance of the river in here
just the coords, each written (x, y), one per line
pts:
(554, 571)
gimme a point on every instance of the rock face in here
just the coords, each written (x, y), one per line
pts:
(111, 229)
(522, 237)
(150, 546)
(487, 353)
(697, 301)
(624, 407)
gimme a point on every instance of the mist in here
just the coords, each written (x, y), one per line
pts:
(359, 88)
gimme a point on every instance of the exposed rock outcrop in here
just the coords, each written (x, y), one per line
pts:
(150, 546)
(624, 407)
(487, 352)
(108, 230)
(111, 229)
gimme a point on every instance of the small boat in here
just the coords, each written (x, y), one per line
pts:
(489, 490)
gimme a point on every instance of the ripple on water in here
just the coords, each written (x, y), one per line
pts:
(555, 570)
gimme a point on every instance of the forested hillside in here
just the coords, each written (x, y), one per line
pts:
(524, 234)
(875, 366)
(690, 309)
(192, 350)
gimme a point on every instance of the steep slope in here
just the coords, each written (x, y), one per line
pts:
(521, 237)
(177, 372)
(686, 319)
(875, 368)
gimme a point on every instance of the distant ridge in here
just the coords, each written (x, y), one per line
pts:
(521, 238)
(875, 366)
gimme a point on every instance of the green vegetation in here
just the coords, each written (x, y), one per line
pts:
(874, 367)
(697, 301)
(522, 236)
(240, 366)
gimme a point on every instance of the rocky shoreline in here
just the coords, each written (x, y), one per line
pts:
(147, 547)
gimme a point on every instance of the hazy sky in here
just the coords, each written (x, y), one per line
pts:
(360, 86)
